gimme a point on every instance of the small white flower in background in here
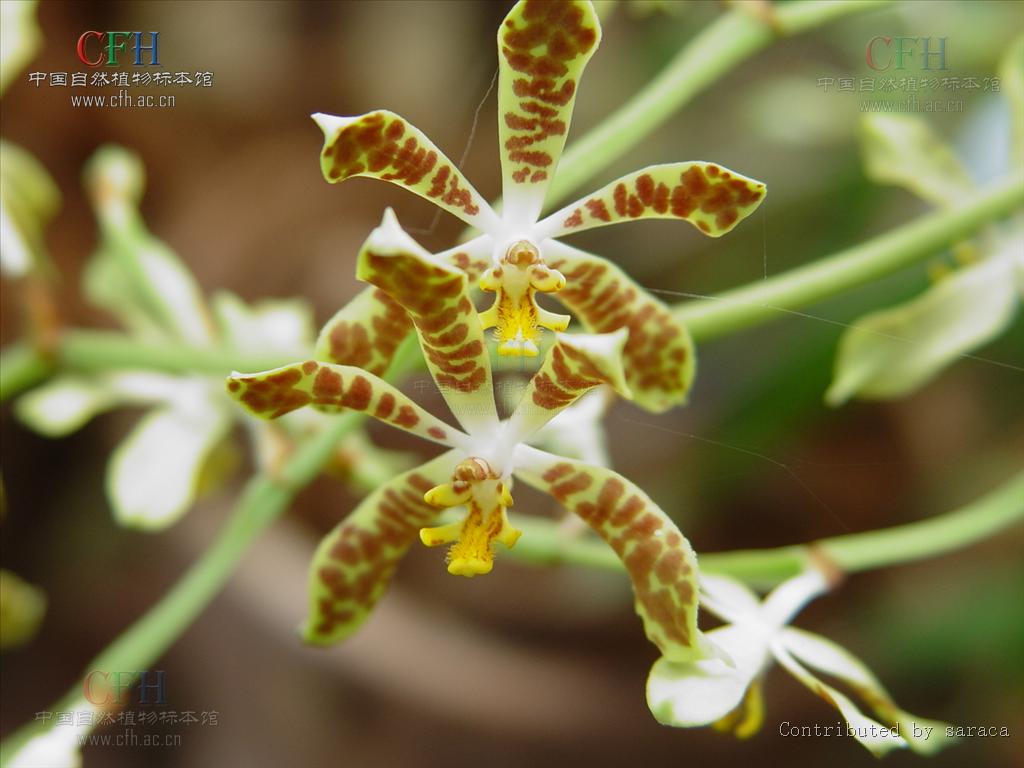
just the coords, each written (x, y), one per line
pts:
(28, 201)
(894, 351)
(726, 693)
(577, 432)
(28, 197)
(60, 745)
(156, 472)
(20, 38)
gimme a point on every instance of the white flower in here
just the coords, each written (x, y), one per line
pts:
(60, 745)
(715, 692)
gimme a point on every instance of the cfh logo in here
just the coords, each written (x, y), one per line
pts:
(105, 689)
(883, 51)
(92, 45)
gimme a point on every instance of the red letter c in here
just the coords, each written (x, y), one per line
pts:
(81, 49)
(88, 690)
(870, 58)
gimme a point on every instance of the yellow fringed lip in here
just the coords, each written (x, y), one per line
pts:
(475, 485)
(515, 313)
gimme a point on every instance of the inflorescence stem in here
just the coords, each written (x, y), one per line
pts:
(544, 542)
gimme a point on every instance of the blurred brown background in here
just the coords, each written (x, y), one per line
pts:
(524, 667)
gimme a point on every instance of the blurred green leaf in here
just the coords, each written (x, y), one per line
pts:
(903, 150)
(1011, 73)
(892, 352)
(22, 607)
(20, 38)
(29, 200)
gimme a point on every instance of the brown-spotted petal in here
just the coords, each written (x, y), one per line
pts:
(659, 355)
(385, 146)
(436, 296)
(365, 333)
(573, 366)
(543, 47)
(712, 198)
(368, 330)
(333, 388)
(354, 563)
(659, 560)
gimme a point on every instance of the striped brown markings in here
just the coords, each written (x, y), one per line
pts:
(571, 374)
(436, 299)
(647, 542)
(473, 267)
(279, 393)
(271, 395)
(362, 556)
(376, 144)
(367, 332)
(559, 27)
(605, 300)
(710, 189)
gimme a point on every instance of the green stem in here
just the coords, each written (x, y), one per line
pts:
(95, 351)
(545, 543)
(721, 46)
(264, 500)
(103, 350)
(769, 299)
(21, 367)
(92, 351)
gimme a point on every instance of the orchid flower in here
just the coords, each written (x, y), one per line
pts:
(726, 691)
(60, 744)
(29, 198)
(543, 48)
(893, 352)
(355, 561)
(155, 474)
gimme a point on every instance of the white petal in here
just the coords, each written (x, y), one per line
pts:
(189, 394)
(877, 738)
(153, 475)
(63, 405)
(701, 692)
(727, 598)
(284, 326)
(15, 255)
(57, 747)
(29, 200)
(576, 432)
(786, 600)
(178, 291)
(20, 38)
(894, 351)
(825, 656)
